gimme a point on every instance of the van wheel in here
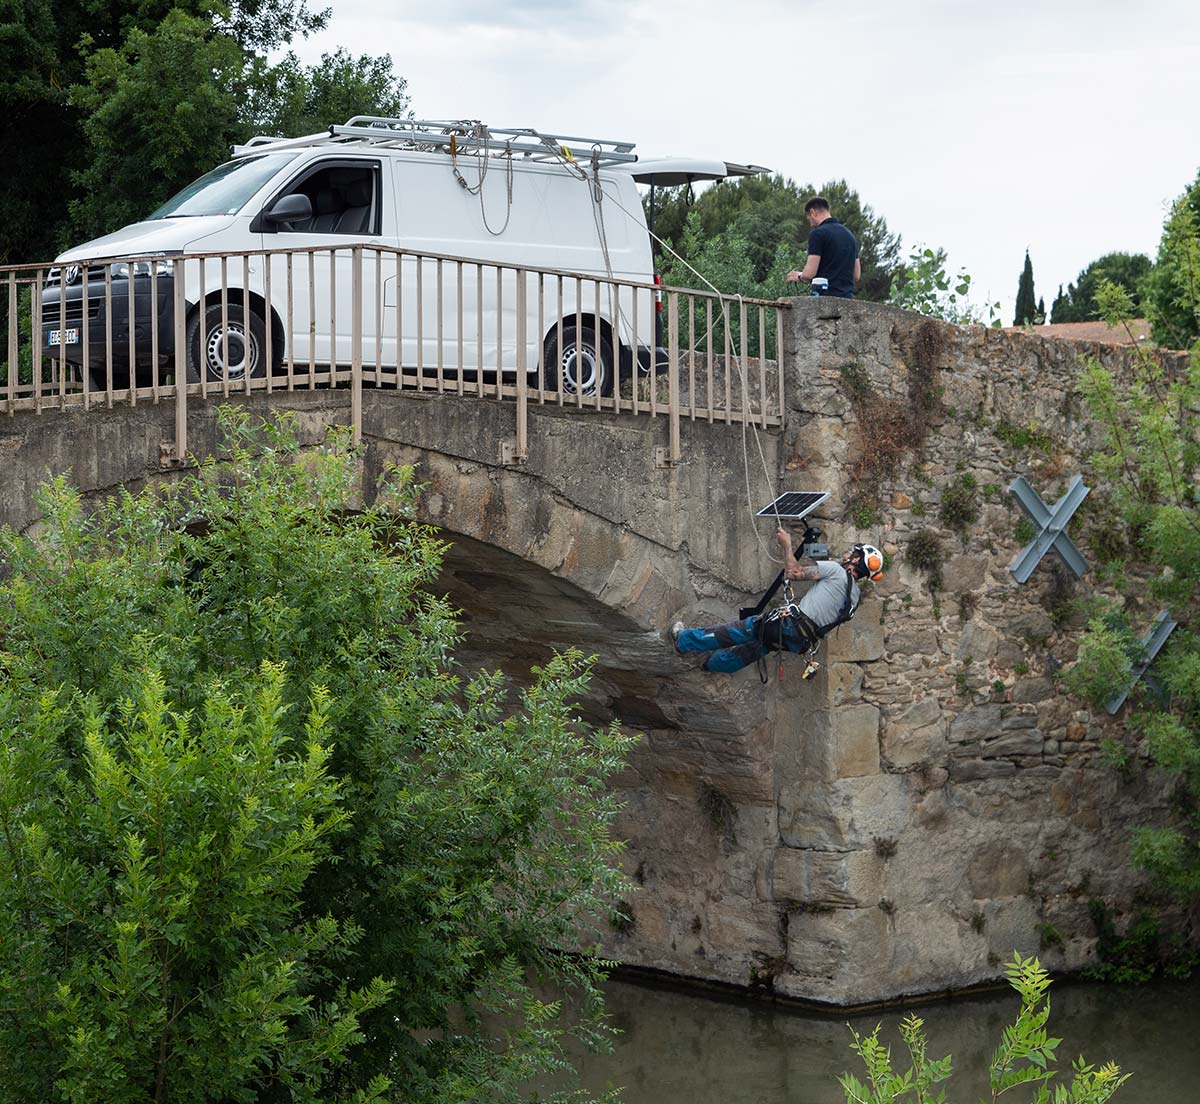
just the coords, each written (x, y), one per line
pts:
(582, 366)
(245, 345)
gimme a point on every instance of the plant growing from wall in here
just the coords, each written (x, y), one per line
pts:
(959, 509)
(1025, 1058)
(925, 553)
(889, 427)
(1149, 462)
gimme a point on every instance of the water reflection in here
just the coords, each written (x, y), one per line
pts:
(678, 1047)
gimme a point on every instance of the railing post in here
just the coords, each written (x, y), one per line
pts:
(356, 337)
(676, 452)
(522, 382)
(179, 455)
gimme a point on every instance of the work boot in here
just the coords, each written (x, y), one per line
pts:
(676, 629)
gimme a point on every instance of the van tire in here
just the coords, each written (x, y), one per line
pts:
(561, 369)
(247, 353)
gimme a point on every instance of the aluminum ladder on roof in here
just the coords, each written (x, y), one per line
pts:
(468, 136)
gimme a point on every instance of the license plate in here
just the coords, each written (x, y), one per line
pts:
(65, 337)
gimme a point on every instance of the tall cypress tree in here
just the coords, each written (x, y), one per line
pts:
(1041, 311)
(1026, 300)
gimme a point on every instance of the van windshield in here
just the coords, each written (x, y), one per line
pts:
(225, 190)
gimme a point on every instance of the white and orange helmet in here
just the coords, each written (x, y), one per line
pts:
(872, 562)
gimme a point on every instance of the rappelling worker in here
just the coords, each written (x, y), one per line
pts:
(797, 625)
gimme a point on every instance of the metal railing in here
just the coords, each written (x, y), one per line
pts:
(127, 330)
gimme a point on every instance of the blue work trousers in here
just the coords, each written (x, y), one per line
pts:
(735, 645)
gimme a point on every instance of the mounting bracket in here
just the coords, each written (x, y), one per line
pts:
(1152, 642)
(1052, 525)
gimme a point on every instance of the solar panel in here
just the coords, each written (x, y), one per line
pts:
(793, 505)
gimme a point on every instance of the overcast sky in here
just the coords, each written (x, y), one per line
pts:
(1066, 126)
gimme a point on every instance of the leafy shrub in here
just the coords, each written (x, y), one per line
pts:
(240, 785)
(1026, 1056)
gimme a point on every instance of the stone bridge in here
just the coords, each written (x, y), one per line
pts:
(898, 824)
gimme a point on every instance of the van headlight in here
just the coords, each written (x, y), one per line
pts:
(160, 266)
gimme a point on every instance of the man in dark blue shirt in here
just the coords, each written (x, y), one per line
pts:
(832, 251)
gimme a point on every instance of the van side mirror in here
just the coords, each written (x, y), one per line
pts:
(288, 208)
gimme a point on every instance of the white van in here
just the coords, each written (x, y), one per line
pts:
(505, 200)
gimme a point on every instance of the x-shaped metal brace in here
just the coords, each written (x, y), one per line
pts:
(1151, 645)
(1052, 525)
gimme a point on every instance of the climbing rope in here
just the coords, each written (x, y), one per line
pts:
(742, 379)
(484, 160)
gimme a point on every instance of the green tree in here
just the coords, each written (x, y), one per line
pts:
(149, 90)
(1172, 299)
(1025, 1057)
(1128, 270)
(1150, 458)
(290, 98)
(157, 113)
(1060, 307)
(151, 878)
(1026, 310)
(455, 843)
(766, 213)
(1041, 310)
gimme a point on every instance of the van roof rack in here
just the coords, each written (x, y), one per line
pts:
(468, 136)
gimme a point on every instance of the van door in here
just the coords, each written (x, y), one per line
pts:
(349, 202)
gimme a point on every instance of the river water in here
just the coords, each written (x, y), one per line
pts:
(681, 1048)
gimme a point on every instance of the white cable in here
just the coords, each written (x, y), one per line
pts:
(741, 378)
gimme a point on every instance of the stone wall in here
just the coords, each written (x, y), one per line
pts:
(941, 801)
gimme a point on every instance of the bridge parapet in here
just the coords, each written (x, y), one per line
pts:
(185, 330)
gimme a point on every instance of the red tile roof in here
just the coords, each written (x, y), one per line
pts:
(1094, 331)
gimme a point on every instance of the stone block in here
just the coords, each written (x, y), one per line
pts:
(855, 740)
(1034, 626)
(845, 682)
(932, 809)
(998, 869)
(847, 945)
(827, 879)
(861, 640)
(975, 770)
(963, 573)
(916, 736)
(1032, 690)
(931, 938)
(976, 723)
(1019, 720)
(907, 641)
(1010, 925)
(1023, 741)
(978, 642)
(846, 814)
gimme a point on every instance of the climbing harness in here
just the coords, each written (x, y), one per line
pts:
(771, 628)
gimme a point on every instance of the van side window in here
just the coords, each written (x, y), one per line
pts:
(344, 198)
